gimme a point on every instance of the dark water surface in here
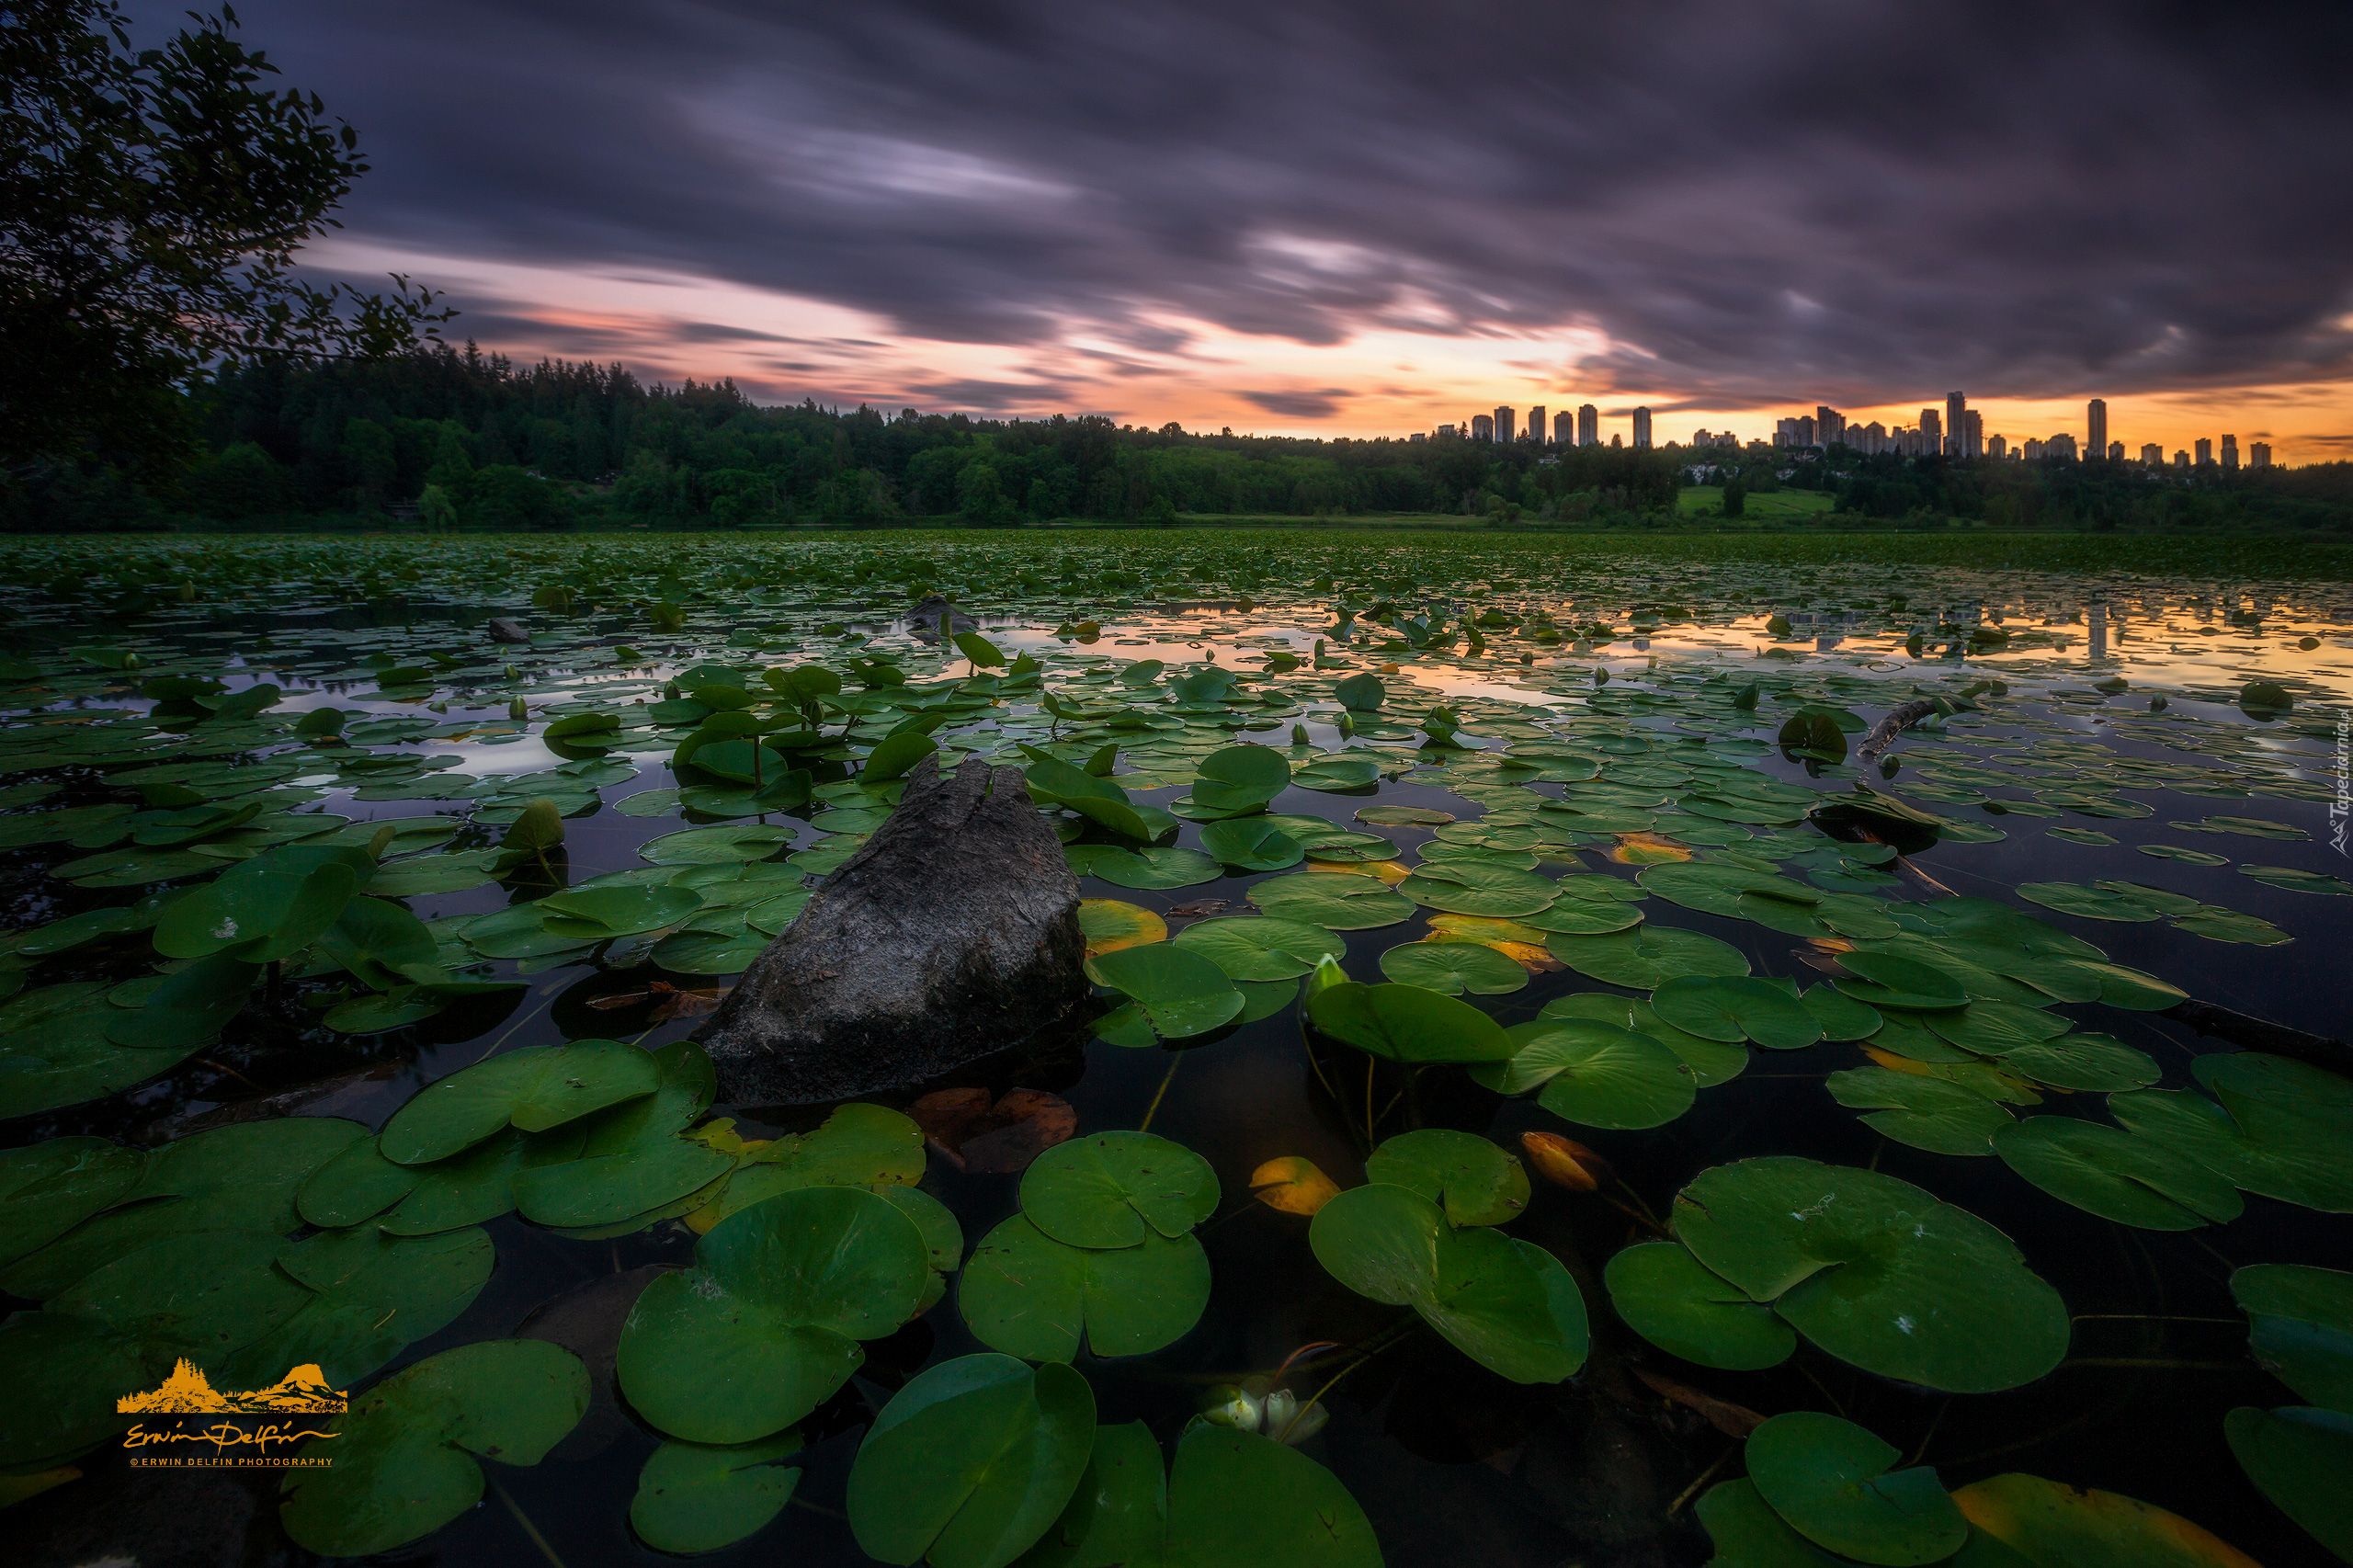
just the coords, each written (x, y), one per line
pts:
(1454, 1464)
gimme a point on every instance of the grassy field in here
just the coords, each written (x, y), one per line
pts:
(1707, 501)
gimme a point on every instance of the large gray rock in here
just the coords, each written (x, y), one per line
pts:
(951, 935)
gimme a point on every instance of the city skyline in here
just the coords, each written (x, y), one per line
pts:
(1282, 222)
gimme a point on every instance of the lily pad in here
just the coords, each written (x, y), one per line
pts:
(2275, 1126)
(403, 1453)
(1155, 866)
(1454, 968)
(1507, 1304)
(1250, 845)
(1332, 900)
(1925, 1112)
(2299, 1458)
(971, 1462)
(1735, 1007)
(1876, 1272)
(1670, 1298)
(1407, 1023)
(1832, 1482)
(1181, 992)
(1594, 1073)
(2046, 1522)
(699, 1497)
(1471, 887)
(1261, 948)
(1115, 1189)
(1646, 957)
(765, 1327)
(1475, 1182)
(534, 1089)
(1026, 1294)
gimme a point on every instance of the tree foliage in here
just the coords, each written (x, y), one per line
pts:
(152, 204)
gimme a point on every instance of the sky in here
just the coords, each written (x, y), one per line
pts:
(1362, 219)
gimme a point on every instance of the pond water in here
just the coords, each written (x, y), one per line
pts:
(1500, 778)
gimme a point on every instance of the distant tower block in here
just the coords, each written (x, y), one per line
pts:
(1483, 427)
(1535, 423)
(2152, 455)
(1565, 427)
(1829, 425)
(1588, 425)
(1956, 404)
(2205, 450)
(1503, 417)
(2180, 458)
(2231, 452)
(2095, 436)
(1973, 433)
(2258, 454)
(2115, 451)
(1932, 431)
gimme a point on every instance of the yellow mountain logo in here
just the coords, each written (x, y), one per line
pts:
(188, 1391)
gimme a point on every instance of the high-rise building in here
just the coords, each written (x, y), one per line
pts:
(1483, 427)
(1565, 427)
(1641, 426)
(1617, 441)
(1444, 431)
(2060, 445)
(2152, 455)
(1802, 432)
(1588, 425)
(1829, 425)
(1417, 436)
(2180, 458)
(2034, 450)
(1872, 439)
(2115, 451)
(2205, 450)
(2258, 454)
(1504, 418)
(1999, 447)
(1973, 433)
(2230, 453)
(2095, 433)
(1932, 430)
(1535, 423)
(1956, 403)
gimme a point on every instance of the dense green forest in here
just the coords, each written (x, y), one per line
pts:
(443, 438)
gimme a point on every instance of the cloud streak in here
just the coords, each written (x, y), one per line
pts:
(1705, 203)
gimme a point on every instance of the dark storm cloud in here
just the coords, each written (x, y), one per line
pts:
(1298, 404)
(1853, 200)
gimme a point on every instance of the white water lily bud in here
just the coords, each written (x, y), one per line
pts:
(1281, 1406)
(1308, 1422)
(1230, 1407)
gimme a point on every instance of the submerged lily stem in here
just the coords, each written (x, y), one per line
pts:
(1926, 1437)
(529, 1528)
(1645, 1221)
(1174, 1062)
(1677, 1506)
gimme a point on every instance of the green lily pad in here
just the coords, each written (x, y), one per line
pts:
(370, 1294)
(1646, 957)
(860, 1145)
(1115, 1189)
(700, 1496)
(702, 846)
(2116, 1174)
(1876, 1272)
(1475, 1182)
(1840, 1015)
(1925, 1112)
(1667, 1297)
(1594, 1073)
(971, 1462)
(1236, 780)
(403, 1453)
(1260, 948)
(1155, 866)
(2299, 1458)
(1236, 1497)
(1026, 1294)
(1888, 981)
(1251, 845)
(1471, 887)
(2093, 1062)
(2275, 1126)
(1507, 1304)
(534, 1089)
(1407, 1023)
(1712, 1062)
(2175, 852)
(1334, 900)
(1181, 992)
(2301, 1327)
(765, 1327)
(1735, 1007)
(2296, 881)
(49, 1187)
(595, 915)
(1748, 1532)
(1454, 968)
(1830, 1480)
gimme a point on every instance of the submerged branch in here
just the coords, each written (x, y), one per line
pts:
(2260, 1034)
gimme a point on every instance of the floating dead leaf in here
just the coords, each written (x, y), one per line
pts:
(1293, 1184)
(1197, 909)
(1648, 849)
(669, 1001)
(998, 1138)
(1565, 1162)
(1731, 1420)
(1482, 928)
(1533, 956)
